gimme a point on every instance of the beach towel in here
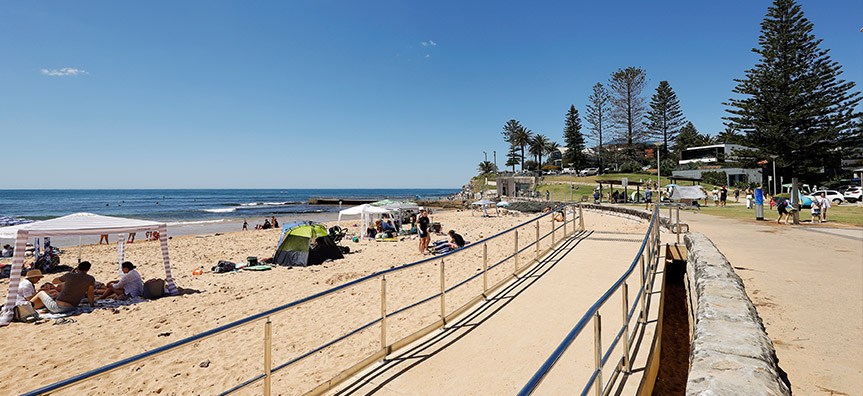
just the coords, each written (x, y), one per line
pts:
(258, 267)
(107, 303)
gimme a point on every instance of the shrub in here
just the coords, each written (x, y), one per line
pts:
(630, 167)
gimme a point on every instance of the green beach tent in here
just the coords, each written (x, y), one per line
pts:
(294, 248)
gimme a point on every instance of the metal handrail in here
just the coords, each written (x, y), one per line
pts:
(651, 242)
(59, 385)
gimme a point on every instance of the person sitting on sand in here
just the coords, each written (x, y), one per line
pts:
(7, 251)
(27, 288)
(129, 285)
(456, 241)
(547, 209)
(266, 225)
(76, 284)
(275, 223)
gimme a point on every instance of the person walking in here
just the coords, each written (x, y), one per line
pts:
(749, 198)
(245, 225)
(736, 195)
(825, 204)
(647, 196)
(723, 196)
(782, 208)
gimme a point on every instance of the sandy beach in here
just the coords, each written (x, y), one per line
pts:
(45, 353)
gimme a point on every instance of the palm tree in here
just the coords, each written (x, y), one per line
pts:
(522, 137)
(551, 147)
(486, 167)
(537, 148)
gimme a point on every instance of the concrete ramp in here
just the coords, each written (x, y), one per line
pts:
(495, 348)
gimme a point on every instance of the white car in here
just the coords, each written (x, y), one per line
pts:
(832, 195)
(589, 171)
(854, 194)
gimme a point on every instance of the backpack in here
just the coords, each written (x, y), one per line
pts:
(26, 313)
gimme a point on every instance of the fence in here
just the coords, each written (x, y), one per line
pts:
(648, 256)
(561, 226)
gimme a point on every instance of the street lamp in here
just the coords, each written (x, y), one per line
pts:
(774, 173)
(658, 163)
(570, 181)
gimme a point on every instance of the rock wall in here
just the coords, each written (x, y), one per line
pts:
(730, 352)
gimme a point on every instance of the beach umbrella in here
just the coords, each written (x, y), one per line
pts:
(6, 221)
(503, 203)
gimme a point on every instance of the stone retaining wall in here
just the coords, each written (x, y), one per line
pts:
(730, 352)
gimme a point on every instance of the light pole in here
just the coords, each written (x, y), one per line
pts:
(495, 160)
(774, 174)
(484, 154)
(570, 181)
(658, 163)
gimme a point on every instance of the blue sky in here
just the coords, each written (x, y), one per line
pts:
(344, 94)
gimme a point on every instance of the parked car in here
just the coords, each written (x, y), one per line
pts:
(854, 194)
(589, 172)
(832, 195)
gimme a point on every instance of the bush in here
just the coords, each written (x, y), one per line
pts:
(630, 167)
(714, 177)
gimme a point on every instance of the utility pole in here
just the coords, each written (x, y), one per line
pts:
(485, 155)
(774, 174)
(495, 160)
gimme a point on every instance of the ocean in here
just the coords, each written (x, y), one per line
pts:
(211, 210)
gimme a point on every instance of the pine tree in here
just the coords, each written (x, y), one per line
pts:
(598, 108)
(665, 117)
(510, 129)
(627, 105)
(688, 137)
(513, 158)
(792, 103)
(573, 139)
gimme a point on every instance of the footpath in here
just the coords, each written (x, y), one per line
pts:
(496, 348)
(807, 284)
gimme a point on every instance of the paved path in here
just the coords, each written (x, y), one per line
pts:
(495, 349)
(807, 284)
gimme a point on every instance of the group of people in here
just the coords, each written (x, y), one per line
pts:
(268, 223)
(65, 293)
(817, 209)
(720, 196)
(385, 229)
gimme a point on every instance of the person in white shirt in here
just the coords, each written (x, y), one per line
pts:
(825, 204)
(7, 251)
(129, 285)
(27, 286)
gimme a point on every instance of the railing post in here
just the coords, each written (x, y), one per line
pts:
(580, 216)
(515, 251)
(597, 337)
(553, 226)
(627, 365)
(484, 268)
(383, 313)
(678, 225)
(642, 317)
(537, 240)
(268, 348)
(564, 222)
(442, 293)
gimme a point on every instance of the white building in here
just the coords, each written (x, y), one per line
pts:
(714, 153)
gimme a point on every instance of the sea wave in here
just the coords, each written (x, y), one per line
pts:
(178, 223)
(269, 203)
(219, 210)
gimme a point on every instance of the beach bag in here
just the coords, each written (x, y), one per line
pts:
(26, 313)
(154, 288)
(225, 266)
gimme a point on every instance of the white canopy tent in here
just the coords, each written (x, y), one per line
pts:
(688, 193)
(484, 203)
(365, 211)
(77, 224)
